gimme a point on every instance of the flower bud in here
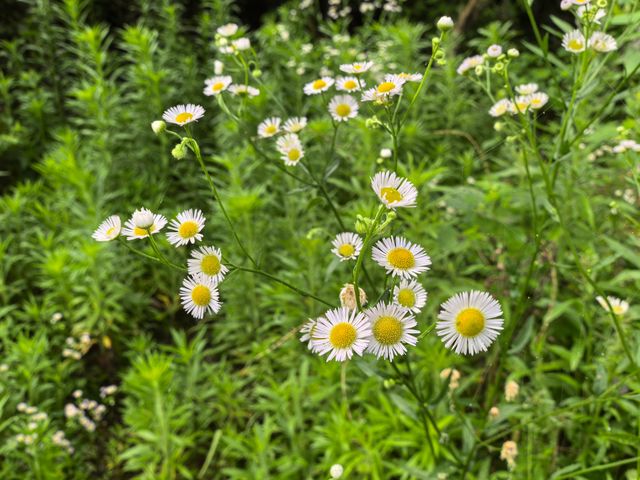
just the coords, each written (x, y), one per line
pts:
(372, 122)
(158, 127)
(179, 151)
(513, 52)
(445, 24)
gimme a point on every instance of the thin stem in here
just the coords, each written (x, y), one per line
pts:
(282, 282)
(367, 241)
(196, 150)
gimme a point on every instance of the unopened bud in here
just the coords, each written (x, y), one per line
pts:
(158, 127)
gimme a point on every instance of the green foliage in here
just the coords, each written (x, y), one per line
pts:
(236, 395)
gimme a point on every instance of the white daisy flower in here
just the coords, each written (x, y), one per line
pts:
(183, 114)
(591, 13)
(207, 261)
(227, 30)
(347, 246)
(343, 107)
(566, 4)
(216, 85)
(619, 307)
(494, 51)
(520, 104)
(269, 127)
(348, 84)
(410, 295)
(247, 90)
(186, 228)
(241, 44)
(527, 88)
(391, 86)
(307, 330)
(341, 332)
(409, 77)
(394, 191)
(108, 230)
(295, 124)
(469, 322)
(199, 296)
(470, 63)
(143, 222)
(602, 42)
(318, 86)
(574, 41)
(537, 100)
(391, 328)
(400, 257)
(356, 68)
(501, 107)
(290, 147)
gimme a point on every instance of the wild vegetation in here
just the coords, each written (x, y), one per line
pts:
(362, 240)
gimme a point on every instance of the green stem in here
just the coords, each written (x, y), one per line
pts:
(367, 242)
(196, 150)
(282, 282)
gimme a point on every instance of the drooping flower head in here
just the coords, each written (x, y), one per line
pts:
(142, 223)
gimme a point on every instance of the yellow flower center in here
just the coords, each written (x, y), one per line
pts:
(350, 85)
(216, 87)
(210, 265)
(406, 298)
(401, 258)
(140, 231)
(184, 117)
(110, 231)
(388, 330)
(318, 84)
(271, 129)
(293, 154)
(385, 87)
(470, 322)
(618, 309)
(390, 194)
(188, 229)
(357, 66)
(575, 44)
(343, 110)
(201, 295)
(346, 250)
(343, 335)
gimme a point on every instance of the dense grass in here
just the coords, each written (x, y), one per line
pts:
(542, 214)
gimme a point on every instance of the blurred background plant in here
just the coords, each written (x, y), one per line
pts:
(236, 395)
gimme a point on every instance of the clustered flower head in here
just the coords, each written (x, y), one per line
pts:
(84, 411)
(509, 453)
(199, 292)
(288, 142)
(469, 321)
(511, 390)
(76, 348)
(453, 376)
